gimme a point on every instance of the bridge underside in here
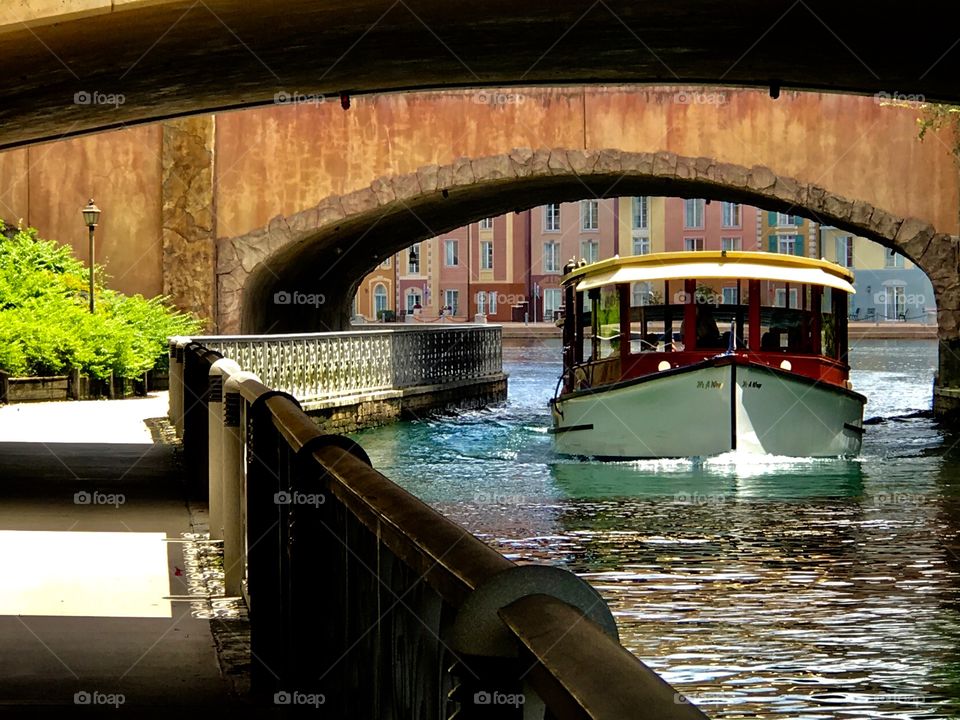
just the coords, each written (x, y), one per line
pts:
(172, 57)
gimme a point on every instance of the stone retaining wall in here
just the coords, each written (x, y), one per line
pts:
(408, 404)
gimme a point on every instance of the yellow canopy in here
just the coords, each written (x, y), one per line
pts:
(711, 265)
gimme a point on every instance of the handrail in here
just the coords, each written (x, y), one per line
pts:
(340, 561)
(559, 643)
(448, 557)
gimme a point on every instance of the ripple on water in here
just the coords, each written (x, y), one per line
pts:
(760, 587)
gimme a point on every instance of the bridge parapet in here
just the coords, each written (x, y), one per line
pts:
(366, 600)
(317, 368)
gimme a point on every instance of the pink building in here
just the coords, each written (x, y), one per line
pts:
(697, 224)
(509, 267)
(559, 232)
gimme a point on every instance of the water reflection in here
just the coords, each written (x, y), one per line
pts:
(726, 478)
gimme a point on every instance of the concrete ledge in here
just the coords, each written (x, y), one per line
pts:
(330, 403)
(378, 395)
(533, 330)
(349, 414)
(891, 331)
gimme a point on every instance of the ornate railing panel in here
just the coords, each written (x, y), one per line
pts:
(318, 366)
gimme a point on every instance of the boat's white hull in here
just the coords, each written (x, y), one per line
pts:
(708, 411)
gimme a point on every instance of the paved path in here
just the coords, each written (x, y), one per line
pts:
(93, 421)
(86, 503)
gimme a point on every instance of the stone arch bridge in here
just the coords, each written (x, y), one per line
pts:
(273, 198)
(846, 161)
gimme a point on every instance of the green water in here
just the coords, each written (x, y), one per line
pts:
(775, 587)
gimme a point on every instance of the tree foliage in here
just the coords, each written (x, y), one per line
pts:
(935, 117)
(45, 324)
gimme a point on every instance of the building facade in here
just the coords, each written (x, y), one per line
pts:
(509, 268)
(889, 287)
(697, 224)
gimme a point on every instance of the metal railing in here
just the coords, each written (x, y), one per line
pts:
(321, 366)
(365, 600)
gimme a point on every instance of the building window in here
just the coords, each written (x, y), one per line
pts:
(731, 214)
(693, 243)
(379, 300)
(693, 213)
(551, 217)
(845, 251)
(486, 255)
(640, 294)
(893, 259)
(551, 302)
(894, 302)
(729, 295)
(451, 252)
(481, 303)
(451, 299)
(492, 302)
(731, 243)
(413, 263)
(551, 257)
(640, 213)
(589, 214)
(486, 224)
(590, 250)
(787, 244)
(786, 220)
(781, 296)
(641, 245)
(414, 299)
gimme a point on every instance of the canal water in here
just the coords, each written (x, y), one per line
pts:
(758, 587)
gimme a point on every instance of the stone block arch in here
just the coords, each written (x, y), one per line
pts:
(326, 249)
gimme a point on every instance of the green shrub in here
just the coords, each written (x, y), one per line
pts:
(45, 324)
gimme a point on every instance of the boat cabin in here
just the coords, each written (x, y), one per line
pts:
(641, 315)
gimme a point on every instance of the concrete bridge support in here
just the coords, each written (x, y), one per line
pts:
(946, 391)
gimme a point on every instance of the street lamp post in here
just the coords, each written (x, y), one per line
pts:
(91, 215)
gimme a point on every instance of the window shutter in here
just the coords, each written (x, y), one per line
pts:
(772, 219)
(772, 243)
(798, 245)
(797, 220)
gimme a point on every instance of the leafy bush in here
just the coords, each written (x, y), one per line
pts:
(45, 324)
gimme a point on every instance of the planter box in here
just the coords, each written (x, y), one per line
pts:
(32, 389)
(73, 387)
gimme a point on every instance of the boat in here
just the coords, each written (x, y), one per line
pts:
(696, 354)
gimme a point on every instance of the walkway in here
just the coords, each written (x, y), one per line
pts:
(86, 616)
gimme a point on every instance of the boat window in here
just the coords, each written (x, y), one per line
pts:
(760, 316)
(797, 320)
(607, 327)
